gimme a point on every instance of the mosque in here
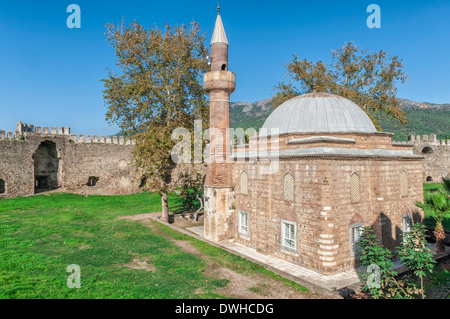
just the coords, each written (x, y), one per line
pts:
(306, 192)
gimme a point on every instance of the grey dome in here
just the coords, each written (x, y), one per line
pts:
(318, 112)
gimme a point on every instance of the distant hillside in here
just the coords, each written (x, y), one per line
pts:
(408, 104)
(423, 118)
(245, 115)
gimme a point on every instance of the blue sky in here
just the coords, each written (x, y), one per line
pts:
(50, 74)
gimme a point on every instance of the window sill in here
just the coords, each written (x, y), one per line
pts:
(244, 236)
(289, 249)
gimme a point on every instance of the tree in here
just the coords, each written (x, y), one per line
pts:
(368, 79)
(437, 205)
(413, 253)
(416, 255)
(372, 253)
(446, 185)
(191, 189)
(159, 89)
(374, 256)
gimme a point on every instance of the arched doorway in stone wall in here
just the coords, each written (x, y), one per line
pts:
(427, 150)
(46, 166)
(2, 186)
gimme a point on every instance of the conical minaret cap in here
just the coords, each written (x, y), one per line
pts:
(219, 35)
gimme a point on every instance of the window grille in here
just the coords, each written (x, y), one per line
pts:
(355, 193)
(244, 183)
(288, 187)
(403, 184)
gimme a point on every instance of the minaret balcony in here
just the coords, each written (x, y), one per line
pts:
(219, 80)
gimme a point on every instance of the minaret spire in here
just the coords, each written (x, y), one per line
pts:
(219, 35)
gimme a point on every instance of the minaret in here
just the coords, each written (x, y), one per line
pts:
(219, 83)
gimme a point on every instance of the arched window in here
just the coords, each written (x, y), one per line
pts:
(429, 179)
(403, 184)
(355, 192)
(288, 187)
(244, 183)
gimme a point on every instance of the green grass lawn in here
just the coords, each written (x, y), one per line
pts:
(432, 187)
(41, 235)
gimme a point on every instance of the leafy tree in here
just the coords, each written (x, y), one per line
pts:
(416, 255)
(191, 189)
(413, 253)
(437, 205)
(159, 89)
(446, 185)
(372, 253)
(367, 78)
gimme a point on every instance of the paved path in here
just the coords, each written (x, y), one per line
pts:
(330, 285)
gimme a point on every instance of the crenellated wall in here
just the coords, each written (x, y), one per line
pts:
(436, 152)
(84, 164)
(24, 130)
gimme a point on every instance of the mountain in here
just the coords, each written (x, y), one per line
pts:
(423, 118)
(246, 115)
(408, 104)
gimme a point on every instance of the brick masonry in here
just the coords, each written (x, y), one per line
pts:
(322, 209)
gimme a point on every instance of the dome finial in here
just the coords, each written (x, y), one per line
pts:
(218, 7)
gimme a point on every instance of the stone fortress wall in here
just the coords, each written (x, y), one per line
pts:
(33, 159)
(437, 156)
(40, 157)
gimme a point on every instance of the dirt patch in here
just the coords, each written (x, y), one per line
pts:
(82, 247)
(188, 248)
(141, 217)
(141, 265)
(241, 286)
(253, 286)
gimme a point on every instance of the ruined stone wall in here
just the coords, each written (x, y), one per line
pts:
(80, 161)
(16, 168)
(107, 165)
(437, 156)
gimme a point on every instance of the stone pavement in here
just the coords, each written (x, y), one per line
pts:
(330, 286)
